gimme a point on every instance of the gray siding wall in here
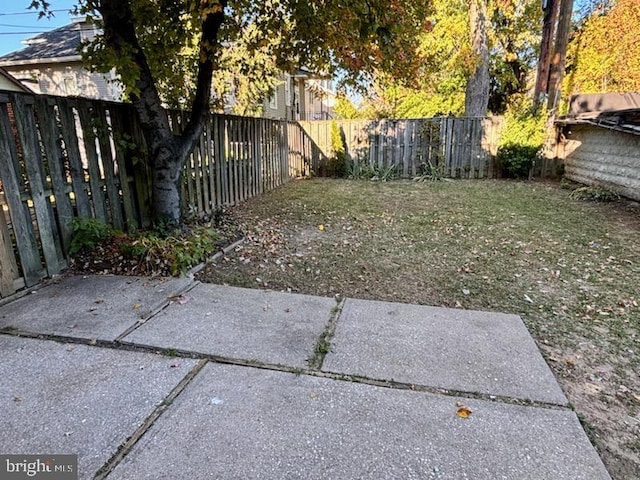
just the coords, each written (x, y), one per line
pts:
(599, 156)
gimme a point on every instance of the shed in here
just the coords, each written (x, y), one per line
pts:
(600, 142)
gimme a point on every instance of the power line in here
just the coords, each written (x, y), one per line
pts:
(18, 26)
(22, 33)
(34, 12)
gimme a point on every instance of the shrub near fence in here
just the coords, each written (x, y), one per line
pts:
(62, 158)
(460, 147)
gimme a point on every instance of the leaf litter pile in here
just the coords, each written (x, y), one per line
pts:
(569, 268)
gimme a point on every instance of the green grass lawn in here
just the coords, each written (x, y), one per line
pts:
(570, 269)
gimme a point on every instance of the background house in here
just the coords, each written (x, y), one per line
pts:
(301, 96)
(51, 64)
(8, 83)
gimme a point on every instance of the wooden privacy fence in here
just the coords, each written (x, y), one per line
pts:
(62, 158)
(460, 147)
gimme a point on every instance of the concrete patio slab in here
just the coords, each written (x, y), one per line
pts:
(74, 399)
(93, 306)
(239, 323)
(461, 350)
(244, 423)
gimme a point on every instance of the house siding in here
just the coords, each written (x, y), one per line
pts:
(598, 156)
(281, 110)
(69, 79)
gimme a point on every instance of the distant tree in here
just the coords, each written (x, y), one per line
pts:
(447, 59)
(604, 52)
(476, 98)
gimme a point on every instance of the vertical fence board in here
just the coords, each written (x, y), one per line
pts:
(95, 177)
(107, 159)
(8, 266)
(210, 174)
(120, 143)
(28, 134)
(72, 149)
(50, 137)
(20, 216)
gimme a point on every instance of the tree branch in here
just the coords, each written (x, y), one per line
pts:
(200, 108)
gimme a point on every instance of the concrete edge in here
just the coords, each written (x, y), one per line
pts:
(194, 270)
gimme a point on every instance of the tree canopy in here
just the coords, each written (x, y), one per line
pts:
(447, 59)
(604, 52)
(173, 48)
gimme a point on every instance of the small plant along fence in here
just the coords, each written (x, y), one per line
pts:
(457, 147)
(62, 158)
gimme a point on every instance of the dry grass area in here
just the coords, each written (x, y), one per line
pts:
(570, 269)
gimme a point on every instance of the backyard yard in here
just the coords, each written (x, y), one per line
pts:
(569, 268)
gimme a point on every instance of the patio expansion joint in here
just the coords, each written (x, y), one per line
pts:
(129, 443)
(249, 363)
(323, 344)
(156, 311)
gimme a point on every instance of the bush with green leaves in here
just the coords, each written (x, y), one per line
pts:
(594, 193)
(336, 166)
(87, 232)
(522, 138)
(427, 171)
(173, 254)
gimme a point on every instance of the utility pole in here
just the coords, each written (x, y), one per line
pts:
(559, 58)
(550, 8)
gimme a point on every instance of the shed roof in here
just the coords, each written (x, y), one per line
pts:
(615, 111)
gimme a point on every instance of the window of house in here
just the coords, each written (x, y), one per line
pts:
(273, 100)
(70, 86)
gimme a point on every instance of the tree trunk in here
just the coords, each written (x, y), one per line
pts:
(477, 91)
(544, 61)
(168, 152)
(166, 174)
(558, 61)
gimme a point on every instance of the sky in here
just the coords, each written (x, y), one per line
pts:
(18, 23)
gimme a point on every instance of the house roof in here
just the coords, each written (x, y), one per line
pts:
(13, 82)
(56, 45)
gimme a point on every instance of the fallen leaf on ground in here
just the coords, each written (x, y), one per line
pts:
(136, 306)
(181, 299)
(464, 412)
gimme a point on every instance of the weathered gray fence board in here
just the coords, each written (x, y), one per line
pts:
(8, 266)
(20, 215)
(104, 132)
(118, 124)
(462, 147)
(93, 167)
(45, 110)
(27, 132)
(72, 150)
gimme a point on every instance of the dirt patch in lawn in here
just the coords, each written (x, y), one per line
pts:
(569, 268)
